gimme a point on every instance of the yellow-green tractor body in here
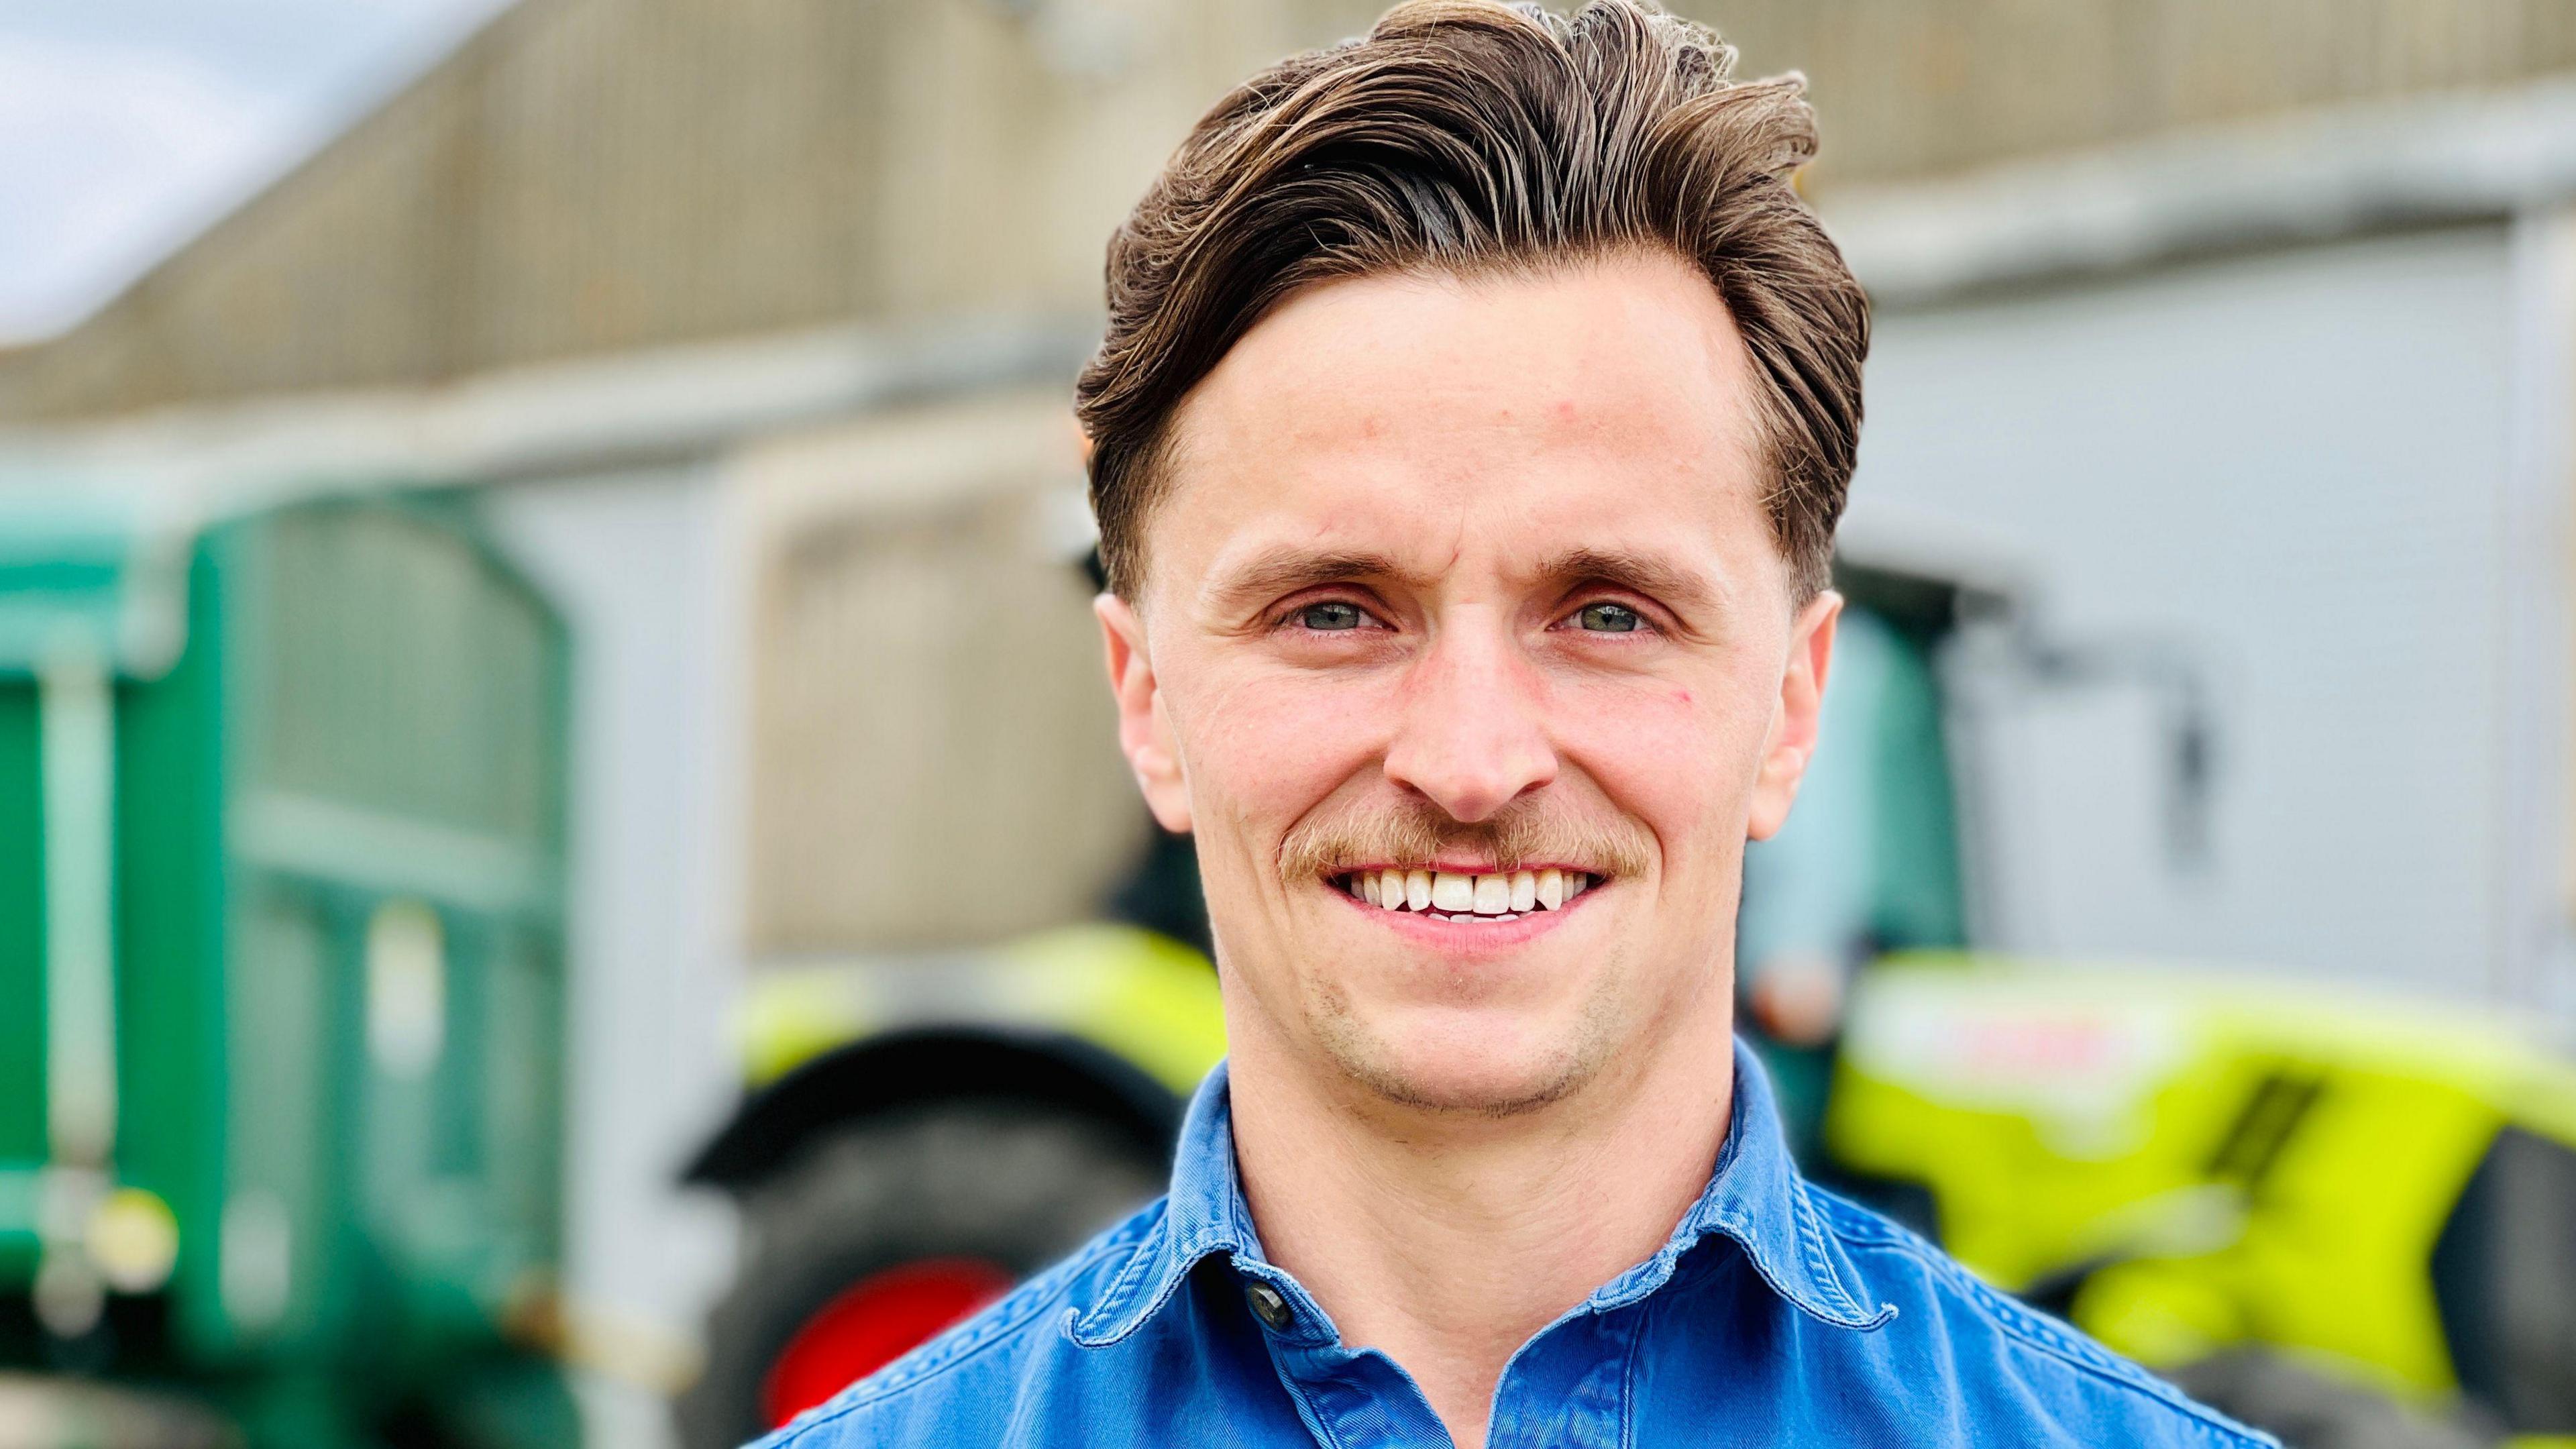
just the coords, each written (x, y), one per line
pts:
(2187, 1165)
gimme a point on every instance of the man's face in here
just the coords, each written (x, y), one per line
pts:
(1469, 578)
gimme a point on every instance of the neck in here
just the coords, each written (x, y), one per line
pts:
(1447, 1239)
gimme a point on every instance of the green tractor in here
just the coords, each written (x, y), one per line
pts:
(280, 983)
(2352, 1226)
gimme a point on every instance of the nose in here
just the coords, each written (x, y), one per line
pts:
(1472, 737)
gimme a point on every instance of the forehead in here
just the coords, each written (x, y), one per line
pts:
(1609, 403)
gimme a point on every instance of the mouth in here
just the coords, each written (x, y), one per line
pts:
(1466, 897)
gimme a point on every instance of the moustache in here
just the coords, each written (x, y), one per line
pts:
(1417, 833)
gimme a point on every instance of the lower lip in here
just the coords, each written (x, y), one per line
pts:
(1467, 938)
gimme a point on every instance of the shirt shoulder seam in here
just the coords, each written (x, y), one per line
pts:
(1859, 1229)
(1041, 1294)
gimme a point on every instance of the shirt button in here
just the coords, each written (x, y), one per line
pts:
(1268, 1305)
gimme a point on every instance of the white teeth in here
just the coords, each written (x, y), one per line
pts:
(1499, 896)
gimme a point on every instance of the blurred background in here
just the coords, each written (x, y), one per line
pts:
(563, 872)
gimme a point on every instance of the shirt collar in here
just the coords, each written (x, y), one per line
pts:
(1755, 1197)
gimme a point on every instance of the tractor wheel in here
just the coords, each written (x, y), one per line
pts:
(889, 1230)
(2307, 1410)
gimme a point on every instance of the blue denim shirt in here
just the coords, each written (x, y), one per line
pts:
(1775, 1314)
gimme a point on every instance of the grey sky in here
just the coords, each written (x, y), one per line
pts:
(127, 125)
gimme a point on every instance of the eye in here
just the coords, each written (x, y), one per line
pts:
(1609, 619)
(1330, 616)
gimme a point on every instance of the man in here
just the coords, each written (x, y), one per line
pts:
(1476, 408)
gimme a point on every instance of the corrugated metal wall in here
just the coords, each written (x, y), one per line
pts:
(1911, 88)
(592, 175)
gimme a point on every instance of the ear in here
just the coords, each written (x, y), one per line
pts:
(1793, 727)
(1144, 735)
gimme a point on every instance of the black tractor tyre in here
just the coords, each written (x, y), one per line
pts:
(2308, 1410)
(1017, 1185)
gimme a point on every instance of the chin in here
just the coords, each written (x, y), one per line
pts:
(1465, 1062)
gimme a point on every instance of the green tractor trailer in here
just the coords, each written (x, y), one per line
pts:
(280, 980)
(2354, 1224)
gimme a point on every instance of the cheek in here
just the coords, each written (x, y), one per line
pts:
(1265, 748)
(1680, 757)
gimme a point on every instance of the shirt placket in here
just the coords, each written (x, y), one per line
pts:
(1568, 1388)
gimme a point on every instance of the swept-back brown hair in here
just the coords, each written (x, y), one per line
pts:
(1469, 137)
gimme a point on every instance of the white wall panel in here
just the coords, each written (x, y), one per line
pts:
(635, 564)
(2296, 467)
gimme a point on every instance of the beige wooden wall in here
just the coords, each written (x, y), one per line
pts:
(593, 175)
(933, 755)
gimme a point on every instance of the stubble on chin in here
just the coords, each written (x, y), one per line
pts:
(1365, 1057)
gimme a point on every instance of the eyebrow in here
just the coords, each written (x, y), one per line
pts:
(1285, 570)
(1678, 588)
